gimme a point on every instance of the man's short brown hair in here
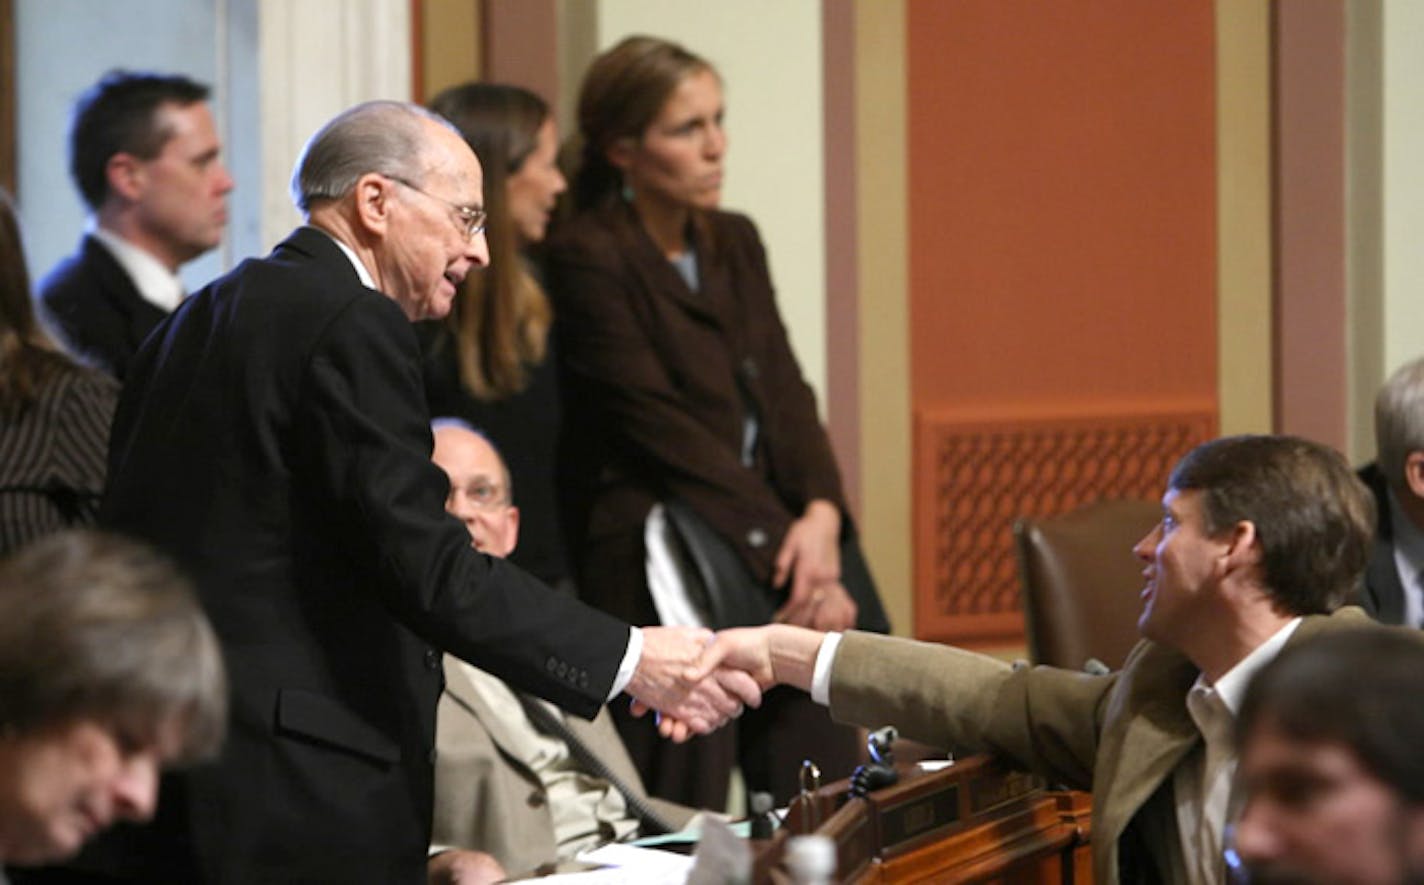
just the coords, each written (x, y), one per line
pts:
(1313, 516)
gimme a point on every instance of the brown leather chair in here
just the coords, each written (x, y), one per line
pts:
(1081, 583)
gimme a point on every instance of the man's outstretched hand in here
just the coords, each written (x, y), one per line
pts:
(687, 705)
(777, 654)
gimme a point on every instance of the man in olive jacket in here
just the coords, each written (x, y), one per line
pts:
(1261, 540)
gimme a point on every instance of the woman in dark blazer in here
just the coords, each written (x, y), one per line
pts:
(682, 391)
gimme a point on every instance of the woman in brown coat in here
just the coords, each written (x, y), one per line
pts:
(683, 395)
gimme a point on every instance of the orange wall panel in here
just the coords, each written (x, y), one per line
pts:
(1062, 200)
(1062, 252)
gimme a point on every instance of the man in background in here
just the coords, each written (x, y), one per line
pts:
(1394, 591)
(144, 155)
(1330, 736)
(515, 778)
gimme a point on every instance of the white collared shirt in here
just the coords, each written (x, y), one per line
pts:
(155, 283)
(1408, 561)
(1201, 785)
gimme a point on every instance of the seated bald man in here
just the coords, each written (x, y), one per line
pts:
(514, 778)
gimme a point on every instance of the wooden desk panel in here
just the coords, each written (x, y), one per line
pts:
(975, 821)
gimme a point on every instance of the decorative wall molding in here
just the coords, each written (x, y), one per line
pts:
(319, 57)
(976, 476)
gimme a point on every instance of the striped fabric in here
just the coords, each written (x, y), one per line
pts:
(53, 456)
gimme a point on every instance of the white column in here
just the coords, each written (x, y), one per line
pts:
(317, 58)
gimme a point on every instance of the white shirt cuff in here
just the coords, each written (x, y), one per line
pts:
(821, 676)
(631, 656)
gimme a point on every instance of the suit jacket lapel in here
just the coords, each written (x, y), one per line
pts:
(471, 700)
(1158, 734)
(139, 315)
(656, 274)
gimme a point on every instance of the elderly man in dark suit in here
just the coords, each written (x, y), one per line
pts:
(1394, 581)
(144, 155)
(273, 438)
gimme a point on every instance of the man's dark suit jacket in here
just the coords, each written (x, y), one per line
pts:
(1383, 592)
(273, 437)
(90, 302)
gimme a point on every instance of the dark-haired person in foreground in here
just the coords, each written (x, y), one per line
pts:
(1330, 737)
(1261, 539)
(109, 673)
(273, 437)
(143, 152)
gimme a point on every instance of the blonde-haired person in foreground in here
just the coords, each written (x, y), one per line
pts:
(109, 673)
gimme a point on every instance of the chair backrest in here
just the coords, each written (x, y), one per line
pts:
(1081, 583)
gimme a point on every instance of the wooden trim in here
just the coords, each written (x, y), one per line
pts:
(1310, 163)
(842, 233)
(8, 95)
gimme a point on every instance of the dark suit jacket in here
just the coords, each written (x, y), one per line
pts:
(1121, 735)
(657, 381)
(1383, 595)
(273, 437)
(91, 304)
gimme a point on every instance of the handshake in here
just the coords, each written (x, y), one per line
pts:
(697, 680)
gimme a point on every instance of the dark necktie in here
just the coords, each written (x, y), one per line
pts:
(653, 823)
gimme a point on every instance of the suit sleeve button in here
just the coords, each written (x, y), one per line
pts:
(756, 539)
(536, 799)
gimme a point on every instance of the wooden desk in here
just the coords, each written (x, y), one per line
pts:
(975, 821)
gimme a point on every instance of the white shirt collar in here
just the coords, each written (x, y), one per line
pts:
(1231, 687)
(157, 284)
(350, 254)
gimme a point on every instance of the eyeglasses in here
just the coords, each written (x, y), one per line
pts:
(482, 493)
(472, 220)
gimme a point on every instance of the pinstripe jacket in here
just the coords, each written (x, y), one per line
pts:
(53, 454)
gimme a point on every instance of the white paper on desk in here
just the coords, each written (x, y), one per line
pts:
(629, 864)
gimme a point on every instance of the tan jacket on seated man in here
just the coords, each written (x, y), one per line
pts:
(518, 786)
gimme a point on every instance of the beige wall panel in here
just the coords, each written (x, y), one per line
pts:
(1403, 181)
(884, 303)
(1244, 324)
(450, 47)
(1364, 227)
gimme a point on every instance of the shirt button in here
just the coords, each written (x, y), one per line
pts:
(432, 659)
(756, 538)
